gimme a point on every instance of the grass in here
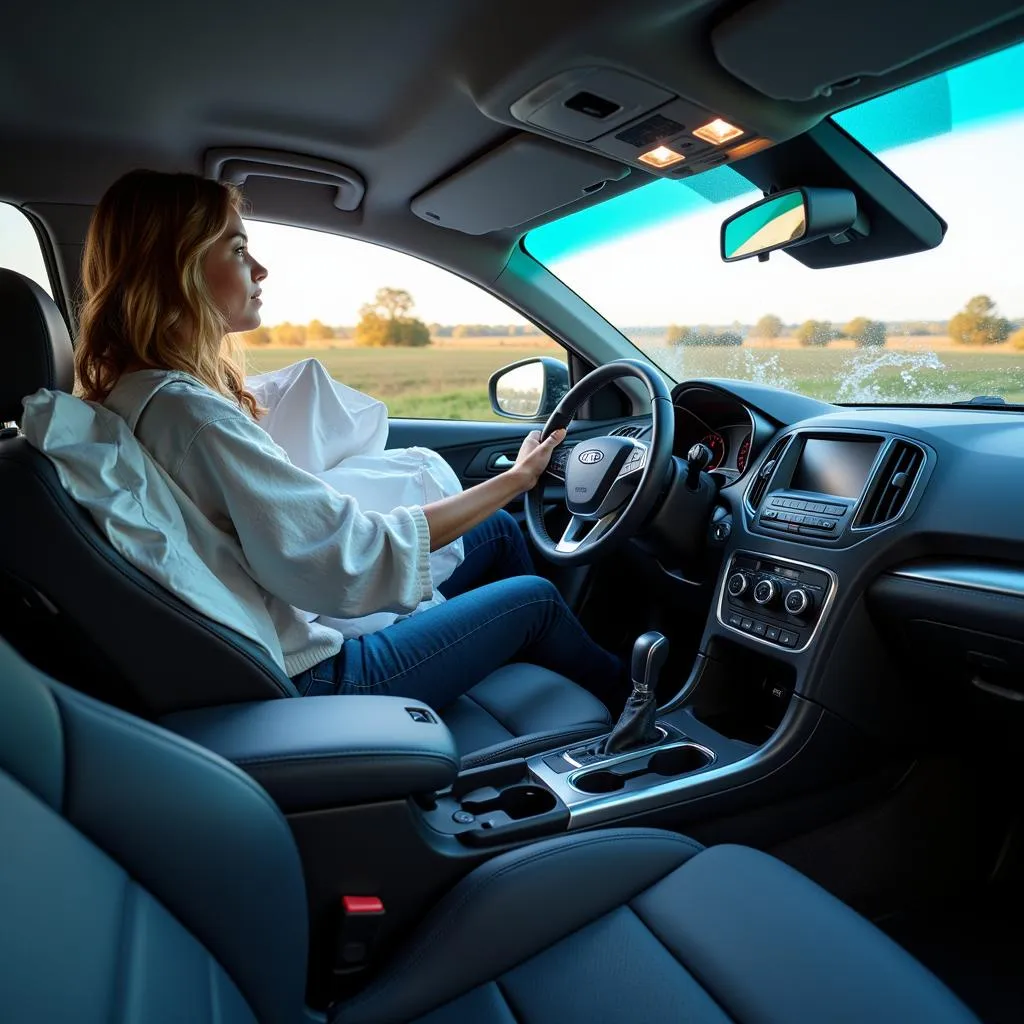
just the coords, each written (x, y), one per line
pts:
(449, 380)
(443, 381)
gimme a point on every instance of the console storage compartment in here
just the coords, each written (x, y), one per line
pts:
(320, 752)
(743, 694)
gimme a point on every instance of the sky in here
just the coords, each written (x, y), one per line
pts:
(672, 273)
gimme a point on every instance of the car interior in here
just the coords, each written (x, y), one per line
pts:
(809, 809)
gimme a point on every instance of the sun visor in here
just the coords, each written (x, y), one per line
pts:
(513, 184)
(803, 49)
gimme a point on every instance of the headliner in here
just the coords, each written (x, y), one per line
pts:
(397, 90)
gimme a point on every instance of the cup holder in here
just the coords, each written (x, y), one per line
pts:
(678, 761)
(666, 764)
(600, 782)
(518, 802)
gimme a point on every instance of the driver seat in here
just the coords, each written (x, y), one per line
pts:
(81, 612)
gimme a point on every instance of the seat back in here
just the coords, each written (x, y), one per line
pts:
(141, 877)
(68, 601)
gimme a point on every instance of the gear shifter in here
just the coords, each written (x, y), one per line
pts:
(635, 727)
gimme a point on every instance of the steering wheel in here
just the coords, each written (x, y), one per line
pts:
(612, 484)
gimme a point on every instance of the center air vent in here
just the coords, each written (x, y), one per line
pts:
(627, 431)
(764, 475)
(892, 485)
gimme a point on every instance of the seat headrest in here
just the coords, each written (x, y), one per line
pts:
(36, 350)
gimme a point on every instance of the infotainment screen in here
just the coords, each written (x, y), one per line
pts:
(834, 467)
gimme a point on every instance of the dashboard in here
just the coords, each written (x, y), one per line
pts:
(720, 421)
(843, 531)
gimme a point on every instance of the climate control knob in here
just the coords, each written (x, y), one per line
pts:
(738, 585)
(765, 592)
(798, 601)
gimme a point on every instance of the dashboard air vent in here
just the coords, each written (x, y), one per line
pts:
(627, 431)
(892, 485)
(757, 489)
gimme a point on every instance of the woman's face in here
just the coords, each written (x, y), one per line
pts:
(234, 277)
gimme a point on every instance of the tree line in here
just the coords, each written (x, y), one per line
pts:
(977, 324)
(387, 321)
(384, 322)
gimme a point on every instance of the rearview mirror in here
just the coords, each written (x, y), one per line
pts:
(788, 219)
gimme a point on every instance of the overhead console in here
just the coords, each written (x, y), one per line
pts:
(834, 487)
(634, 121)
(582, 129)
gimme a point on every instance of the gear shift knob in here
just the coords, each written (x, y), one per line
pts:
(636, 726)
(649, 653)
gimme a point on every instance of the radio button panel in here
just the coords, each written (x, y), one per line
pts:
(786, 514)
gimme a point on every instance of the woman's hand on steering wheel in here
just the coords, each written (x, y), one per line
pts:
(612, 483)
(534, 456)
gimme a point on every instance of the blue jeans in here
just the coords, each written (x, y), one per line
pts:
(496, 612)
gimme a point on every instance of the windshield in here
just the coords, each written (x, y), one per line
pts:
(935, 327)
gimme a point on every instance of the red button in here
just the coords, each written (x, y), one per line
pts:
(362, 905)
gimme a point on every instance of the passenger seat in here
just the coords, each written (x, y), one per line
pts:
(144, 879)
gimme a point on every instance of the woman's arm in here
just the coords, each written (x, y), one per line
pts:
(306, 543)
(451, 517)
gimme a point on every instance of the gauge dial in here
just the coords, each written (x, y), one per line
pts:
(743, 454)
(717, 445)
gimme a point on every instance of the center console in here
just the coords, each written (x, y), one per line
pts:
(774, 600)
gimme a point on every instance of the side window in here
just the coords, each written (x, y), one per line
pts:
(418, 337)
(19, 247)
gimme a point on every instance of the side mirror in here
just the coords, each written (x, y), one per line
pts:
(788, 219)
(529, 389)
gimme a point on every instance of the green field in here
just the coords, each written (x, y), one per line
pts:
(852, 375)
(444, 381)
(450, 381)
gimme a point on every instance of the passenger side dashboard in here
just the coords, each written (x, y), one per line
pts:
(902, 526)
(906, 520)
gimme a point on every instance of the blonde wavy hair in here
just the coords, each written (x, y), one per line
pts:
(145, 299)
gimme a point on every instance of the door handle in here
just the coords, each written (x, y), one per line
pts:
(501, 461)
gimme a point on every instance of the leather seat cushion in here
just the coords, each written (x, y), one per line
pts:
(642, 925)
(142, 877)
(521, 710)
